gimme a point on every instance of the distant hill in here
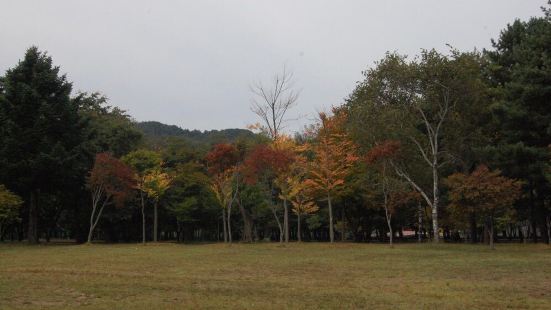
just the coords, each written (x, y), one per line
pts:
(158, 131)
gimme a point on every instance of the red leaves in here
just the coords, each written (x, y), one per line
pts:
(387, 150)
(113, 177)
(484, 189)
(222, 157)
(266, 160)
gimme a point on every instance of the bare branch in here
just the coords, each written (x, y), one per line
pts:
(272, 103)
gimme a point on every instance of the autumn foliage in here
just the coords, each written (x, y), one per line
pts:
(388, 149)
(334, 154)
(112, 178)
(485, 192)
(266, 161)
(222, 157)
(110, 181)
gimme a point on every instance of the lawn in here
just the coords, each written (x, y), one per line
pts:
(308, 275)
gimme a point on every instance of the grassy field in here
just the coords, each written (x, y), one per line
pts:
(309, 275)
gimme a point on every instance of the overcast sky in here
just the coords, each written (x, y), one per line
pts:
(190, 63)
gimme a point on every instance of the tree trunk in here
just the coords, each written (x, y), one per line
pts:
(155, 221)
(92, 223)
(143, 217)
(286, 220)
(391, 234)
(225, 225)
(474, 238)
(247, 225)
(388, 217)
(229, 223)
(548, 221)
(436, 200)
(32, 232)
(274, 212)
(491, 234)
(331, 232)
(299, 237)
(343, 237)
(420, 224)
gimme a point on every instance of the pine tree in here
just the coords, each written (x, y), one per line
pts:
(40, 132)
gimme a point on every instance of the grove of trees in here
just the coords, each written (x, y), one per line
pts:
(448, 146)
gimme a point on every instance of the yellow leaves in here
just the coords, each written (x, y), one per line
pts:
(155, 183)
(221, 185)
(284, 142)
(301, 208)
(298, 191)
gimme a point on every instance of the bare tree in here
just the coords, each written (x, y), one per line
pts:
(271, 102)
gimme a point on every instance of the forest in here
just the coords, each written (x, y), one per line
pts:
(437, 147)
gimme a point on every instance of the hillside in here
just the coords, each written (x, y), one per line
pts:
(155, 131)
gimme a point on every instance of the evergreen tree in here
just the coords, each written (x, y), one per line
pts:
(40, 132)
(520, 71)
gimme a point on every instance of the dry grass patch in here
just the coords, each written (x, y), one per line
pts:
(308, 275)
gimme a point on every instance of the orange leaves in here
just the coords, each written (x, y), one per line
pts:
(334, 154)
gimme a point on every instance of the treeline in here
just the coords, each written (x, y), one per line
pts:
(448, 146)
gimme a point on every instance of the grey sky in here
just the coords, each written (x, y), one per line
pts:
(189, 63)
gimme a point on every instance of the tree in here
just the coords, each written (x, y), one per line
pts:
(223, 166)
(290, 165)
(301, 198)
(189, 199)
(264, 164)
(9, 208)
(109, 129)
(425, 104)
(155, 185)
(486, 192)
(40, 133)
(520, 74)
(272, 102)
(110, 182)
(393, 191)
(334, 155)
(143, 162)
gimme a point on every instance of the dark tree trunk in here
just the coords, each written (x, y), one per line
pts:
(225, 224)
(474, 237)
(247, 223)
(343, 237)
(230, 240)
(491, 233)
(143, 217)
(331, 232)
(155, 221)
(299, 238)
(32, 232)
